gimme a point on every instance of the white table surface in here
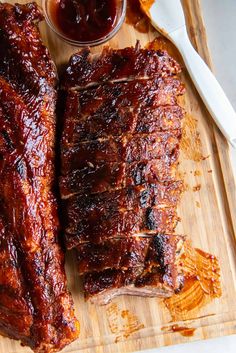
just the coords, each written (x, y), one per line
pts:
(220, 22)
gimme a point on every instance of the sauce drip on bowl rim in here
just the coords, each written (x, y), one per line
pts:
(84, 20)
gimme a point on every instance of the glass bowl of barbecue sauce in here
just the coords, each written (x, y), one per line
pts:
(85, 22)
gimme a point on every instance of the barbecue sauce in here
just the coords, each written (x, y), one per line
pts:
(136, 16)
(84, 20)
(183, 330)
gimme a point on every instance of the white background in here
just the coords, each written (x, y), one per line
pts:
(220, 22)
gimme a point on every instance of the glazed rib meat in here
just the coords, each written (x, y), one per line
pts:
(35, 304)
(136, 266)
(114, 120)
(129, 252)
(118, 109)
(126, 149)
(119, 156)
(146, 205)
(85, 70)
(95, 178)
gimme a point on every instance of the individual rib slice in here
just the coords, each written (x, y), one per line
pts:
(124, 253)
(101, 287)
(129, 96)
(116, 108)
(127, 149)
(35, 304)
(161, 274)
(143, 196)
(147, 209)
(116, 120)
(96, 178)
(100, 226)
(117, 65)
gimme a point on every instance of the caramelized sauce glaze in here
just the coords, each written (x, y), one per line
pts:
(163, 44)
(35, 305)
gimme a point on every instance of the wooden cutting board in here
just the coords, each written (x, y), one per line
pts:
(208, 213)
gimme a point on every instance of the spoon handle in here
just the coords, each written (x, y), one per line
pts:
(208, 87)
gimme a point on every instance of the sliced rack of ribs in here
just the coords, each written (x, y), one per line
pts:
(119, 188)
(35, 304)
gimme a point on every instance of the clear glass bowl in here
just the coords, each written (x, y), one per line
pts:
(120, 17)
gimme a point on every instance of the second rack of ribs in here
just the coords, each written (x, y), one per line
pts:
(119, 152)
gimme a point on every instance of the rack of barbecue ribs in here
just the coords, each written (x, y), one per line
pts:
(119, 154)
(35, 305)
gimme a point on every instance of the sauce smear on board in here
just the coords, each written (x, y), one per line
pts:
(84, 20)
(183, 330)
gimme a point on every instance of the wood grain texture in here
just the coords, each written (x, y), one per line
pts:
(208, 217)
